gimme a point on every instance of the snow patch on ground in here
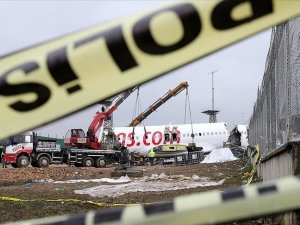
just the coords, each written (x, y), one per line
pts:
(219, 155)
(121, 180)
(154, 183)
(146, 185)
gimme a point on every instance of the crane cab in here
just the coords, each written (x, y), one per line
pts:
(75, 137)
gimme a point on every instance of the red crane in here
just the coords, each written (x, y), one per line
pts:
(77, 137)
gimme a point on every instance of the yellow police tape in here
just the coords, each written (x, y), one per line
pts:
(211, 207)
(51, 80)
(5, 198)
(36, 82)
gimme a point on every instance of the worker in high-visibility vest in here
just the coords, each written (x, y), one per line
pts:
(151, 156)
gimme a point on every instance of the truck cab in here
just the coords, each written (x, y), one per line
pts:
(18, 149)
(28, 148)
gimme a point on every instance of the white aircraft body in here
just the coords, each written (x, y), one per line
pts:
(209, 136)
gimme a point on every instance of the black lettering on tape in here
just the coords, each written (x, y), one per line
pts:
(42, 92)
(266, 189)
(221, 15)
(231, 195)
(77, 220)
(72, 220)
(74, 89)
(60, 68)
(159, 208)
(63, 222)
(116, 45)
(191, 23)
(108, 215)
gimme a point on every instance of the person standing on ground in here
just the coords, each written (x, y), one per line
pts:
(151, 156)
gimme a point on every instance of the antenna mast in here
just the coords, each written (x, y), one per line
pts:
(212, 113)
(212, 89)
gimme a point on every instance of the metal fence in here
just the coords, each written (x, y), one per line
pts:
(276, 113)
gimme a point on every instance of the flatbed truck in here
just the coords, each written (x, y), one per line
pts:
(25, 149)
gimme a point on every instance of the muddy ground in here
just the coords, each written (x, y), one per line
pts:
(19, 183)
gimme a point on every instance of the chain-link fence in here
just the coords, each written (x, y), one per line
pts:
(276, 113)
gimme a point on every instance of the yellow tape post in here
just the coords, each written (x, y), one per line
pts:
(49, 81)
(211, 207)
(255, 162)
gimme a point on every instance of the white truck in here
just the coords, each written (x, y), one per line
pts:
(24, 149)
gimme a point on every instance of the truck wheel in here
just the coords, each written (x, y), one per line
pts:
(22, 161)
(43, 162)
(101, 162)
(88, 162)
(14, 165)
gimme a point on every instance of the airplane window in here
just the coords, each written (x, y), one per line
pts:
(174, 136)
(216, 133)
(137, 137)
(196, 134)
(203, 134)
(188, 135)
(207, 133)
(199, 134)
(212, 133)
(183, 135)
(167, 137)
(224, 133)
(220, 133)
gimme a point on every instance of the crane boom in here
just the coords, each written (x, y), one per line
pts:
(97, 122)
(77, 137)
(158, 103)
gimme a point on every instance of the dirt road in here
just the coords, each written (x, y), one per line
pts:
(22, 184)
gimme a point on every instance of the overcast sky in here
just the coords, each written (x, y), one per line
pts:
(240, 67)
